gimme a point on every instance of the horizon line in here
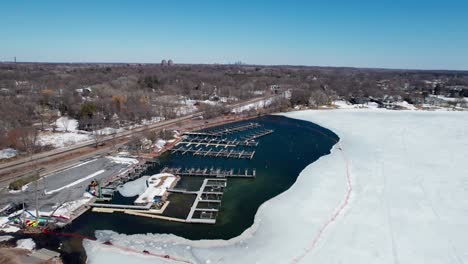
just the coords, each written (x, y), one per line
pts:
(242, 64)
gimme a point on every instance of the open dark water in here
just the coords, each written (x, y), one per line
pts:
(279, 159)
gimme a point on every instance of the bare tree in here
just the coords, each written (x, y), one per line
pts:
(65, 122)
(28, 138)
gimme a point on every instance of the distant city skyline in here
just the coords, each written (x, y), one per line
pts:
(396, 34)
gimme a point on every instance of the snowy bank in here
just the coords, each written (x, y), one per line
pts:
(8, 153)
(407, 205)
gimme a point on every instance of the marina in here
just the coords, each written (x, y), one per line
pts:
(204, 208)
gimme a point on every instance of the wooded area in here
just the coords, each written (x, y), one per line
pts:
(114, 95)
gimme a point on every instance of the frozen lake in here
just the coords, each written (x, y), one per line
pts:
(407, 203)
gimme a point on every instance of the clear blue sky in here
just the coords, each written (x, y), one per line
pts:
(378, 33)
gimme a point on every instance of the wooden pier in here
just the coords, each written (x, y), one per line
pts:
(211, 172)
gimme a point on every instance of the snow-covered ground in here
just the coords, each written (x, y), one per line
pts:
(66, 124)
(5, 238)
(8, 153)
(407, 202)
(253, 106)
(26, 243)
(62, 139)
(342, 104)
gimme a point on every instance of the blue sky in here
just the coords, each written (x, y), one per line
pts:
(388, 34)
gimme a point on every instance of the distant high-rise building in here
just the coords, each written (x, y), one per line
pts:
(163, 63)
(170, 62)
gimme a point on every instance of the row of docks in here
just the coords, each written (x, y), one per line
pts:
(216, 142)
(211, 172)
(206, 206)
(219, 132)
(258, 134)
(234, 129)
(222, 153)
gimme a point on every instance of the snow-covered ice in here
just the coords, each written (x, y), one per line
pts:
(26, 243)
(407, 205)
(8, 153)
(133, 188)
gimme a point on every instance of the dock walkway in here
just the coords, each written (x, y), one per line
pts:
(221, 142)
(218, 183)
(211, 172)
(258, 134)
(234, 154)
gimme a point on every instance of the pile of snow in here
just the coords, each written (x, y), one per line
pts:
(60, 140)
(8, 153)
(66, 124)
(160, 143)
(5, 238)
(23, 188)
(133, 188)
(76, 182)
(122, 160)
(26, 243)
(407, 205)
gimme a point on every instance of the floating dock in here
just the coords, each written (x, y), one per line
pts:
(222, 153)
(234, 129)
(217, 142)
(206, 215)
(211, 172)
(258, 134)
(224, 130)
